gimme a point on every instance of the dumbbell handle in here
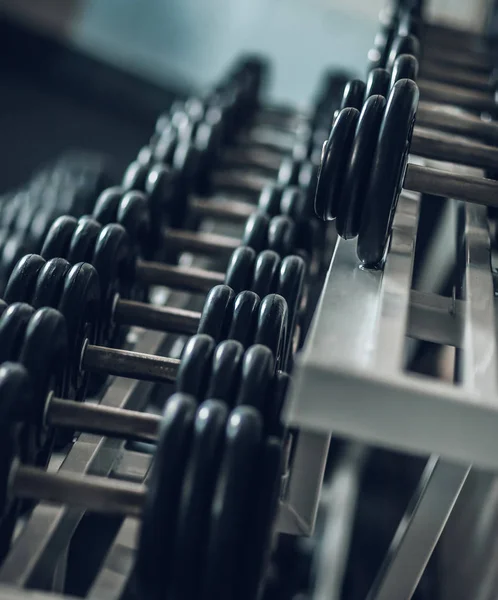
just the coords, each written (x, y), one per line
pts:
(102, 420)
(453, 95)
(160, 318)
(132, 365)
(235, 210)
(476, 190)
(478, 62)
(462, 77)
(456, 121)
(442, 146)
(89, 492)
(190, 279)
(209, 244)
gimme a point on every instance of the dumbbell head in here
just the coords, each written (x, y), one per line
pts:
(367, 154)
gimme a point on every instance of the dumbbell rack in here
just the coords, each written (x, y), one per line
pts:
(350, 381)
(353, 372)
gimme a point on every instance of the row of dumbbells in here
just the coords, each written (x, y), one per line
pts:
(210, 502)
(365, 161)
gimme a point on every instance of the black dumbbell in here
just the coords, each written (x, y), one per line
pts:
(430, 115)
(66, 186)
(284, 221)
(192, 120)
(108, 249)
(200, 160)
(425, 142)
(439, 91)
(75, 292)
(441, 83)
(208, 507)
(361, 188)
(229, 372)
(434, 115)
(463, 55)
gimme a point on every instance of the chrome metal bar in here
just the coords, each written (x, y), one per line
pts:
(234, 210)
(464, 78)
(476, 62)
(445, 147)
(133, 365)
(92, 493)
(160, 318)
(457, 96)
(268, 139)
(241, 182)
(253, 158)
(198, 242)
(103, 420)
(456, 120)
(477, 190)
(191, 279)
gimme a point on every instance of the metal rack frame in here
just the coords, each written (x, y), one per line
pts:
(353, 372)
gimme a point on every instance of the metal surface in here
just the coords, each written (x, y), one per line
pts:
(160, 318)
(442, 146)
(102, 420)
(419, 530)
(356, 390)
(210, 244)
(456, 96)
(339, 500)
(470, 188)
(456, 120)
(218, 208)
(124, 363)
(476, 81)
(190, 279)
(442, 482)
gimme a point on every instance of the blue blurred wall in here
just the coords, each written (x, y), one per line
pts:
(193, 40)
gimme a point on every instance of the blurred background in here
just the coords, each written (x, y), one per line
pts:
(187, 43)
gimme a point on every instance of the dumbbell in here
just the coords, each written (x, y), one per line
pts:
(446, 93)
(187, 119)
(296, 230)
(406, 22)
(109, 250)
(68, 185)
(207, 508)
(425, 142)
(201, 148)
(231, 372)
(364, 167)
(446, 117)
(429, 113)
(398, 35)
(75, 292)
